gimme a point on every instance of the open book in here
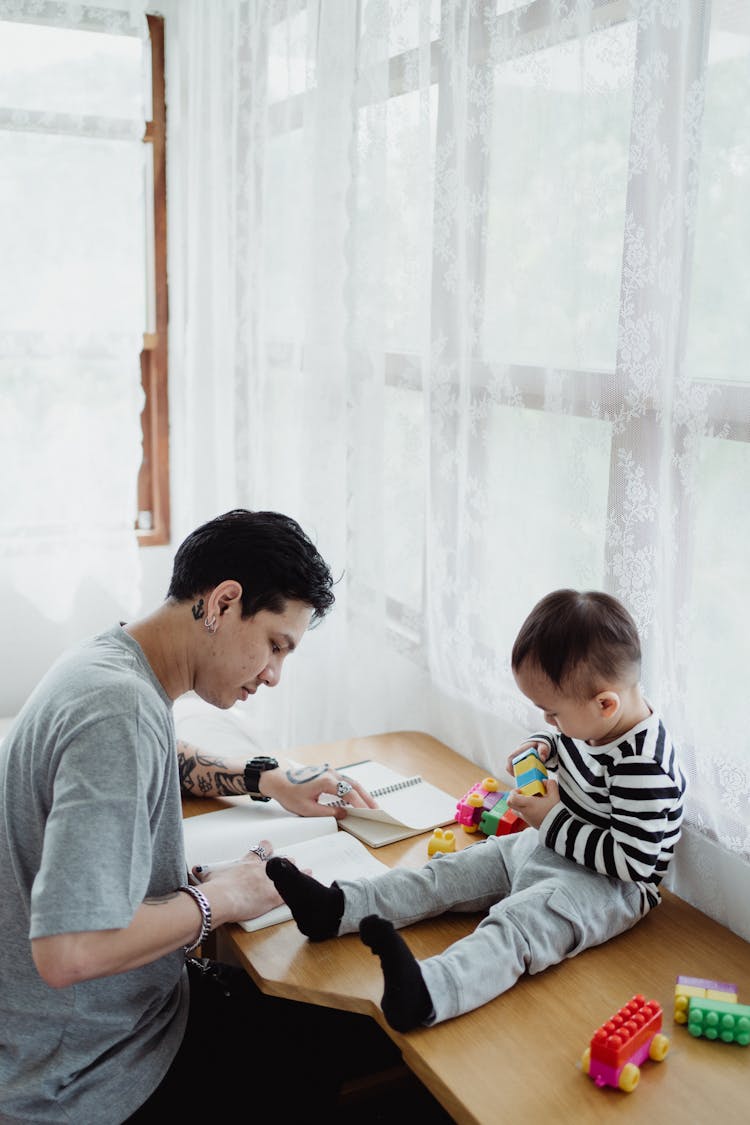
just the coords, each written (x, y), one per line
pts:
(408, 805)
(315, 844)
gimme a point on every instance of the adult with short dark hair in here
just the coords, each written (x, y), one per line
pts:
(104, 1015)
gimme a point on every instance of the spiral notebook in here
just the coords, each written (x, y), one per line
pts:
(408, 805)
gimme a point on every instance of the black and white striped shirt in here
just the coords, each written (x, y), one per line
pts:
(621, 804)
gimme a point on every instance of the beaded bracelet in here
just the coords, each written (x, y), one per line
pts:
(205, 908)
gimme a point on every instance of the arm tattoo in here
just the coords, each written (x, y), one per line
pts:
(300, 774)
(159, 900)
(205, 774)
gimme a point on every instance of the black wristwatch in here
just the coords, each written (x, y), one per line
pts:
(253, 769)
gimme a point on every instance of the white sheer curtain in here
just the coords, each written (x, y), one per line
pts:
(463, 286)
(72, 315)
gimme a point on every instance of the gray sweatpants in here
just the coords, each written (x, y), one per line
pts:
(540, 907)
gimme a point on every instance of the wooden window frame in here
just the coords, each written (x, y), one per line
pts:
(153, 517)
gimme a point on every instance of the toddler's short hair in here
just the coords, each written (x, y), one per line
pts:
(582, 641)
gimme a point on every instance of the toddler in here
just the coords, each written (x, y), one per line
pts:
(589, 865)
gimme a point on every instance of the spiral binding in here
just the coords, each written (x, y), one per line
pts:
(405, 784)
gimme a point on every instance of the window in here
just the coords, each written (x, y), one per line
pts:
(83, 289)
(547, 284)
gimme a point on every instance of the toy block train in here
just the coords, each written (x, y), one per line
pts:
(619, 1046)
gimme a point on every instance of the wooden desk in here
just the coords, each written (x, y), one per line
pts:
(518, 1057)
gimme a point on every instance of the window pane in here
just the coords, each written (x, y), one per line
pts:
(404, 495)
(718, 343)
(395, 191)
(718, 635)
(286, 233)
(73, 257)
(557, 186)
(531, 538)
(287, 57)
(404, 21)
(409, 187)
(284, 387)
(79, 72)
(76, 412)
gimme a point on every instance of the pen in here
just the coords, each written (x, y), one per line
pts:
(209, 868)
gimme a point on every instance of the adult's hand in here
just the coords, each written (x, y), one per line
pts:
(298, 789)
(239, 888)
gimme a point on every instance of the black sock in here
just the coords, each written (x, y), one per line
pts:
(316, 909)
(406, 1002)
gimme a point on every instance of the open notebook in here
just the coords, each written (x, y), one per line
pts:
(314, 843)
(408, 805)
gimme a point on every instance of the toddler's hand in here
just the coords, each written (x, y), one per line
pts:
(534, 809)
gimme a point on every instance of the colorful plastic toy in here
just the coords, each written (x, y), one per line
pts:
(620, 1045)
(485, 808)
(530, 772)
(688, 987)
(727, 1021)
(469, 808)
(440, 842)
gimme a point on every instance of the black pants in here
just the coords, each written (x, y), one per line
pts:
(242, 1048)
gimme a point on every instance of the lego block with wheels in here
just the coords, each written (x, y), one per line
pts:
(627, 1039)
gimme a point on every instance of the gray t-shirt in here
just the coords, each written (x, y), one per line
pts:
(90, 825)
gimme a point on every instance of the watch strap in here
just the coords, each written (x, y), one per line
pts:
(253, 769)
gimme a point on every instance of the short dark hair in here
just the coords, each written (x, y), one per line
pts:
(266, 552)
(581, 641)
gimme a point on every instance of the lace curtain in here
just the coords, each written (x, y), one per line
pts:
(72, 317)
(463, 286)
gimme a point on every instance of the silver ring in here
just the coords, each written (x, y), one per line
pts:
(261, 852)
(343, 788)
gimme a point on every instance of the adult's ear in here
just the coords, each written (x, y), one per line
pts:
(226, 595)
(608, 703)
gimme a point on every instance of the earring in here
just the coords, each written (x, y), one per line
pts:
(210, 624)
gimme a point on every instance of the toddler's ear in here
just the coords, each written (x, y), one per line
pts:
(608, 703)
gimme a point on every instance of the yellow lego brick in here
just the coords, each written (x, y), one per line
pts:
(681, 1004)
(530, 761)
(692, 990)
(533, 787)
(717, 994)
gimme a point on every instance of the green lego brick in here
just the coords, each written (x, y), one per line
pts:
(717, 1019)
